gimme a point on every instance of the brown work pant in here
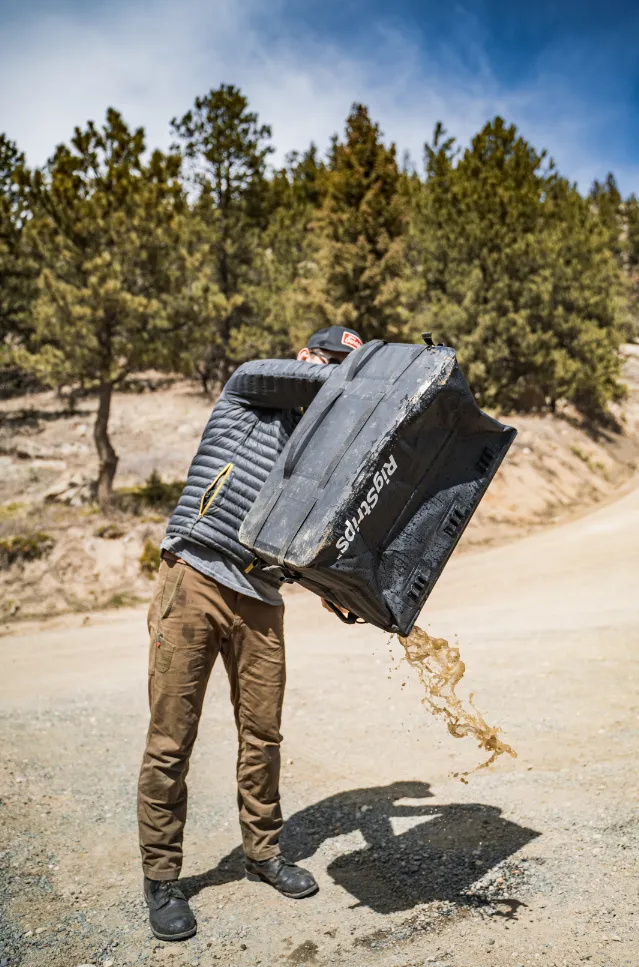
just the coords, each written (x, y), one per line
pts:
(191, 619)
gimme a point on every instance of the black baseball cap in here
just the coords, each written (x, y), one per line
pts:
(335, 339)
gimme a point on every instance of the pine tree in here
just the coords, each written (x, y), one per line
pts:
(632, 221)
(631, 218)
(277, 293)
(353, 276)
(518, 275)
(228, 150)
(306, 176)
(110, 232)
(608, 203)
(17, 271)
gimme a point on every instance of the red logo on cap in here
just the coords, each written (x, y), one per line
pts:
(350, 339)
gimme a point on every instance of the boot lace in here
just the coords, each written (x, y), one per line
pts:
(167, 890)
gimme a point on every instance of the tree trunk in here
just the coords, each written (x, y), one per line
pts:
(106, 453)
(72, 400)
(226, 370)
(204, 376)
(204, 382)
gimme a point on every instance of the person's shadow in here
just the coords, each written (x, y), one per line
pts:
(436, 859)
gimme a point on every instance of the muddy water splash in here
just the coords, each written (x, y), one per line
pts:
(440, 670)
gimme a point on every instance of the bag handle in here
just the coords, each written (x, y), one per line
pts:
(349, 619)
(360, 357)
(363, 356)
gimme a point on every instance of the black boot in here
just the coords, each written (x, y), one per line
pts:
(170, 915)
(290, 880)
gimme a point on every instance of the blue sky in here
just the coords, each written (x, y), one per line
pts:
(567, 73)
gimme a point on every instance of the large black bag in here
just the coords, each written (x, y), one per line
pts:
(377, 483)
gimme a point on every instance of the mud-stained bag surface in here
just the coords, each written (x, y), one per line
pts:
(377, 483)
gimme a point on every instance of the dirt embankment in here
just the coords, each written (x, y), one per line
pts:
(556, 468)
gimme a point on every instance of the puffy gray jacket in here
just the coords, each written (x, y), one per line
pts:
(248, 428)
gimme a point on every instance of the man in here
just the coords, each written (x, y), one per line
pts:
(208, 600)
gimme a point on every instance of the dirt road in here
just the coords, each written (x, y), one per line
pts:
(534, 862)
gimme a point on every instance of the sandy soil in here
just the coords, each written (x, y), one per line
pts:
(532, 863)
(556, 468)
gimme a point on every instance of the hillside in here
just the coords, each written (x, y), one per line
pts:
(557, 468)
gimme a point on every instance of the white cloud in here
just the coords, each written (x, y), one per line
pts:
(150, 60)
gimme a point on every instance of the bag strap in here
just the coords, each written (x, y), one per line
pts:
(358, 359)
(295, 452)
(355, 430)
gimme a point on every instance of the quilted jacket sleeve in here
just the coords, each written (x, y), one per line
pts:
(279, 384)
